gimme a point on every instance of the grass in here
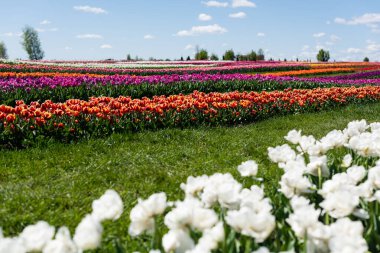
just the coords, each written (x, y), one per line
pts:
(58, 182)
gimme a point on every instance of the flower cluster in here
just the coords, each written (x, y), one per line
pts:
(309, 72)
(244, 67)
(329, 201)
(103, 115)
(41, 237)
(245, 211)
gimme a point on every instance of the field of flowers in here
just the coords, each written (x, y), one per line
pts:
(322, 196)
(73, 100)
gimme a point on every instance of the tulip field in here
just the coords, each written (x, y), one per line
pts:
(74, 100)
(189, 156)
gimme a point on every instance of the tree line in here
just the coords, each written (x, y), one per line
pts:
(32, 45)
(229, 55)
(30, 42)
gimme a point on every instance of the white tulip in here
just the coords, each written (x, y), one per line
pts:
(190, 213)
(62, 243)
(194, 185)
(36, 236)
(88, 233)
(293, 136)
(261, 250)
(340, 203)
(256, 225)
(294, 183)
(12, 245)
(178, 241)
(222, 189)
(303, 216)
(347, 160)
(108, 207)
(355, 128)
(248, 169)
(346, 236)
(357, 173)
(143, 214)
(281, 154)
(318, 163)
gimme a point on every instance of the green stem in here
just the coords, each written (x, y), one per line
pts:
(319, 178)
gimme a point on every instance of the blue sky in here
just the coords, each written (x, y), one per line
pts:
(99, 29)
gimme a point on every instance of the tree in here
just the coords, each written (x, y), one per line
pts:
(366, 59)
(129, 58)
(201, 55)
(252, 56)
(260, 55)
(214, 57)
(3, 51)
(181, 58)
(188, 58)
(32, 44)
(229, 55)
(323, 56)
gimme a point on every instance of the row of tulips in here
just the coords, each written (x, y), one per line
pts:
(235, 68)
(60, 88)
(100, 116)
(328, 202)
(359, 75)
(345, 65)
(310, 72)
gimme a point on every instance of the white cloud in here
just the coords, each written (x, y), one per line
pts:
(305, 47)
(242, 3)
(238, 15)
(373, 47)
(334, 38)
(370, 42)
(352, 50)
(106, 46)
(8, 34)
(67, 48)
(318, 35)
(261, 34)
(328, 22)
(41, 30)
(89, 9)
(369, 19)
(45, 22)
(189, 47)
(89, 36)
(149, 37)
(199, 30)
(204, 17)
(215, 4)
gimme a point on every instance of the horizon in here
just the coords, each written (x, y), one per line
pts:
(98, 30)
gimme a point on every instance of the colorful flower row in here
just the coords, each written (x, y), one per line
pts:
(359, 75)
(345, 65)
(104, 115)
(235, 68)
(59, 89)
(309, 72)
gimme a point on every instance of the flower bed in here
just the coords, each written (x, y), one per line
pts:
(100, 116)
(310, 72)
(328, 201)
(60, 88)
(234, 68)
